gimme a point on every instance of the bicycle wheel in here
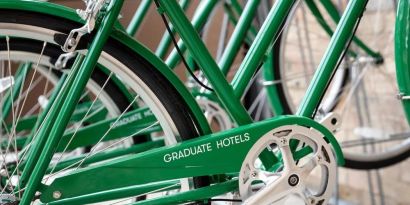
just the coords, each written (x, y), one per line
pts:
(171, 116)
(372, 135)
(113, 97)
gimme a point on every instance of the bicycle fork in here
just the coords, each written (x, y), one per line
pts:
(60, 113)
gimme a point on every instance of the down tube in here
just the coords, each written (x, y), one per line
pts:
(333, 55)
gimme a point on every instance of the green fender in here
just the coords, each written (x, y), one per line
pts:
(119, 35)
(402, 52)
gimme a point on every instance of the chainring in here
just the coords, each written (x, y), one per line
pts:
(292, 180)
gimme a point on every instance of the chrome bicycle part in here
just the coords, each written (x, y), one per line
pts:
(63, 59)
(89, 15)
(332, 121)
(310, 179)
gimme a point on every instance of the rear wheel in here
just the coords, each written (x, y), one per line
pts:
(171, 120)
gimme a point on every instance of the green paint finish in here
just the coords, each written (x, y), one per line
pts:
(197, 194)
(198, 21)
(43, 115)
(110, 154)
(138, 17)
(36, 150)
(321, 20)
(402, 52)
(166, 40)
(262, 43)
(118, 193)
(169, 163)
(73, 94)
(237, 38)
(29, 123)
(335, 15)
(205, 61)
(271, 89)
(25, 123)
(96, 112)
(42, 7)
(12, 94)
(139, 121)
(122, 38)
(169, 74)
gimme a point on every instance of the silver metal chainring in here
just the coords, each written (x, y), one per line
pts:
(310, 180)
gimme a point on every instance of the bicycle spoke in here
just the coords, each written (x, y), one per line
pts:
(82, 120)
(90, 154)
(16, 111)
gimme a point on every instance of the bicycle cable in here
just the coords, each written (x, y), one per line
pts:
(164, 19)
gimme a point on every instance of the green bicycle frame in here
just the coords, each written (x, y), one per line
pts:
(152, 163)
(402, 53)
(66, 100)
(203, 12)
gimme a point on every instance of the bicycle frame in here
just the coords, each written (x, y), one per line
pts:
(262, 42)
(155, 158)
(239, 35)
(201, 14)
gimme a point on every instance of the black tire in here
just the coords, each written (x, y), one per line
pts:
(53, 51)
(178, 110)
(98, 76)
(366, 165)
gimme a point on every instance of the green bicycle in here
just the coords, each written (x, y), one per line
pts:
(285, 78)
(267, 151)
(278, 94)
